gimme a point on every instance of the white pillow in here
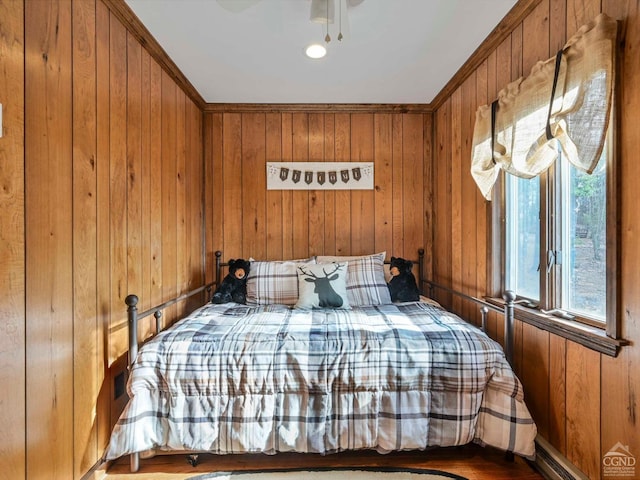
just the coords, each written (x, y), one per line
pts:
(322, 285)
(274, 282)
(366, 282)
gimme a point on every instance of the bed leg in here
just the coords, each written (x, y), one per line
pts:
(134, 462)
(193, 459)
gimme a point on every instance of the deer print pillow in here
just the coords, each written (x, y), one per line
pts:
(366, 284)
(322, 285)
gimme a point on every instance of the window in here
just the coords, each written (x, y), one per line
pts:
(558, 240)
(554, 233)
(584, 228)
(522, 232)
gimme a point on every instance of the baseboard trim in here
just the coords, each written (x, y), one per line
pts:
(553, 465)
(98, 471)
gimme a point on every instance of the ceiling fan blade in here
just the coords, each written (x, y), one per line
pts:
(322, 11)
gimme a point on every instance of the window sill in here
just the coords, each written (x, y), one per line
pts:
(590, 337)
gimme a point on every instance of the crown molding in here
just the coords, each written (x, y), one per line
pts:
(316, 108)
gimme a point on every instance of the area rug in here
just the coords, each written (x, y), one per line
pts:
(347, 473)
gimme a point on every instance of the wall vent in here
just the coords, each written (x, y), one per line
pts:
(118, 385)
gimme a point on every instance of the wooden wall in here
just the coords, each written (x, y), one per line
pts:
(247, 220)
(583, 402)
(12, 281)
(102, 175)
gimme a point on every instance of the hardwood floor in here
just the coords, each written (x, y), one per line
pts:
(472, 462)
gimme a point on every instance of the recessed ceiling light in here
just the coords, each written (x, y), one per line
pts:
(315, 51)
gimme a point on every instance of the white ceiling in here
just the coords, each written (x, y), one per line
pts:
(394, 51)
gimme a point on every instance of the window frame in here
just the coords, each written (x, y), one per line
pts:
(601, 336)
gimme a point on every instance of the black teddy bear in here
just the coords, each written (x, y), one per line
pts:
(402, 286)
(233, 287)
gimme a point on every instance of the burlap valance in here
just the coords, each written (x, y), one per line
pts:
(529, 125)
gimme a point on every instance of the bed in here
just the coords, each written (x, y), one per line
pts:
(273, 377)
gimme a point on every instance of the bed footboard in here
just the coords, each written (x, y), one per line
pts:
(133, 317)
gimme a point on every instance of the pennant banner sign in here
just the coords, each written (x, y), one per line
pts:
(319, 176)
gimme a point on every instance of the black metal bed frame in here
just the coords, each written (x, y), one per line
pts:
(134, 317)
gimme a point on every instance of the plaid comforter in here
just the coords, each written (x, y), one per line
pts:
(233, 378)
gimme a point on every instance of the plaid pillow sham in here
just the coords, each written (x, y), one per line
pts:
(274, 282)
(366, 283)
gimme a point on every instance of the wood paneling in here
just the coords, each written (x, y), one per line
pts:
(621, 376)
(88, 372)
(300, 199)
(295, 224)
(49, 240)
(468, 197)
(168, 203)
(362, 205)
(583, 402)
(12, 242)
(330, 206)
(195, 186)
(535, 375)
(230, 170)
(483, 207)
(456, 198)
(253, 226)
(557, 393)
(112, 205)
(103, 235)
(583, 409)
(442, 267)
(109, 199)
(134, 247)
(413, 140)
(180, 176)
(274, 204)
(383, 146)
(316, 197)
(155, 179)
(117, 186)
(207, 135)
(427, 198)
(343, 198)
